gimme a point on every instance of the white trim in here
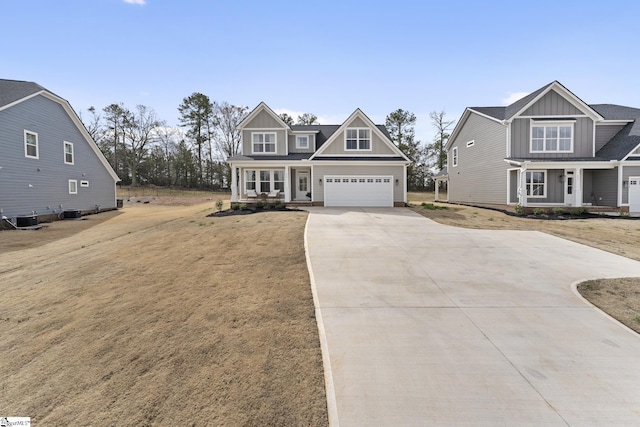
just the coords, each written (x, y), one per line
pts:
(37, 145)
(263, 129)
(471, 143)
(637, 147)
(304, 132)
(352, 155)
(508, 199)
(372, 126)
(75, 183)
(64, 153)
(262, 107)
(620, 186)
(593, 153)
(486, 116)
(460, 124)
(383, 178)
(551, 123)
(298, 146)
(455, 160)
(4, 107)
(567, 95)
(275, 143)
(553, 116)
(508, 142)
(614, 122)
(84, 183)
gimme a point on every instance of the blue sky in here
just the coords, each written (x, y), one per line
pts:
(328, 57)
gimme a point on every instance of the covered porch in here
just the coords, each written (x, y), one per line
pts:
(271, 183)
(564, 184)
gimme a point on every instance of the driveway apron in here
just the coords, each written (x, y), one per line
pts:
(426, 324)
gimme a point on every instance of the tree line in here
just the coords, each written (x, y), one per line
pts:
(143, 150)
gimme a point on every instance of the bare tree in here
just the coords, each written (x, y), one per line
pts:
(307, 119)
(139, 128)
(286, 118)
(437, 150)
(228, 136)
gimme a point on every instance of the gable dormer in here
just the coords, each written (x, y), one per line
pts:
(264, 133)
(358, 136)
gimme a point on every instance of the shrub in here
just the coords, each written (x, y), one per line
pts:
(578, 211)
(432, 207)
(242, 206)
(539, 211)
(235, 206)
(519, 209)
(278, 205)
(219, 205)
(260, 205)
(559, 211)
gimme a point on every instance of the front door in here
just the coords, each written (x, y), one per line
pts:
(303, 186)
(569, 188)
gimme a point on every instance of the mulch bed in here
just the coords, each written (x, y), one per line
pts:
(249, 211)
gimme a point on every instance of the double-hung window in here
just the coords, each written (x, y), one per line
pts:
(357, 139)
(302, 142)
(536, 183)
(30, 144)
(263, 142)
(264, 181)
(454, 157)
(250, 180)
(68, 153)
(551, 137)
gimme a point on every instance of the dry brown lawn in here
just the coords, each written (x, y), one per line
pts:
(620, 298)
(159, 315)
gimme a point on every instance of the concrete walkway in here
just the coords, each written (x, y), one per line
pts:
(427, 324)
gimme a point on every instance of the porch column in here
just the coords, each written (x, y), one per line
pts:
(579, 197)
(522, 188)
(437, 196)
(287, 184)
(234, 183)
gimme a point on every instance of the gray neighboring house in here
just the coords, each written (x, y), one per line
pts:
(48, 161)
(547, 149)
(352, 164)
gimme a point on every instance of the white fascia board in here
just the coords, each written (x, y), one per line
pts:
(304, 132)
(262, 107)
(465, 115)
(513, 162)
(360, 163)
(76, 120)
(614, 122)
(22, 99)
(566, 94)
(634, 149)
(528, 164)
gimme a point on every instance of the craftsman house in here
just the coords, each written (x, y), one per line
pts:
(352, 164)
(48, 161)
(547, 149)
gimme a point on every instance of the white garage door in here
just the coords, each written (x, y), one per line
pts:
(634, 194)
(358, 190)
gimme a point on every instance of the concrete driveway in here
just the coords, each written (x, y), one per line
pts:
(426, 324)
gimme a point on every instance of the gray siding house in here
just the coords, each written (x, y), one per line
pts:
(547, 149)
(48, 161)
(352, 164)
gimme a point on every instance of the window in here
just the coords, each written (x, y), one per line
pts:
(302, 141)
(68, 153)
(250, 180)
(264, 142)
(357, 139)
(471, 143)
(454, 157)
(265, 181)
(30, 144)
(278, 180)
(536, 183)
(73, 186)
(552, 138)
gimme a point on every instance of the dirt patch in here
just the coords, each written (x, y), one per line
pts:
(620, 298)
(159, 315)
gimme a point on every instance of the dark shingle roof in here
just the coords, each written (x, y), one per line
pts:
(325, 131)
(15, 90)
(290, 156)
(360, 158)
(495, 112)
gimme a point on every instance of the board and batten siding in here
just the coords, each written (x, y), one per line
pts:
(263, 120)
(42, 184)
(628, 171)
(378, 146)
(521, 140)
(481, 174)
(605, 187)
(604, 133)
(396, 171)
(552, 104)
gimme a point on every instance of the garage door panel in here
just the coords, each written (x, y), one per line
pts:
(352, 191)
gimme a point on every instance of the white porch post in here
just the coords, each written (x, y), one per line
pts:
(522, 187)
(578, 187)
(437, 197)
(234, 183)
(287, 184)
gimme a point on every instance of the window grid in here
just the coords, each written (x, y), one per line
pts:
(30, 144)
(263, 142)
(556, 138)
(357, 139)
